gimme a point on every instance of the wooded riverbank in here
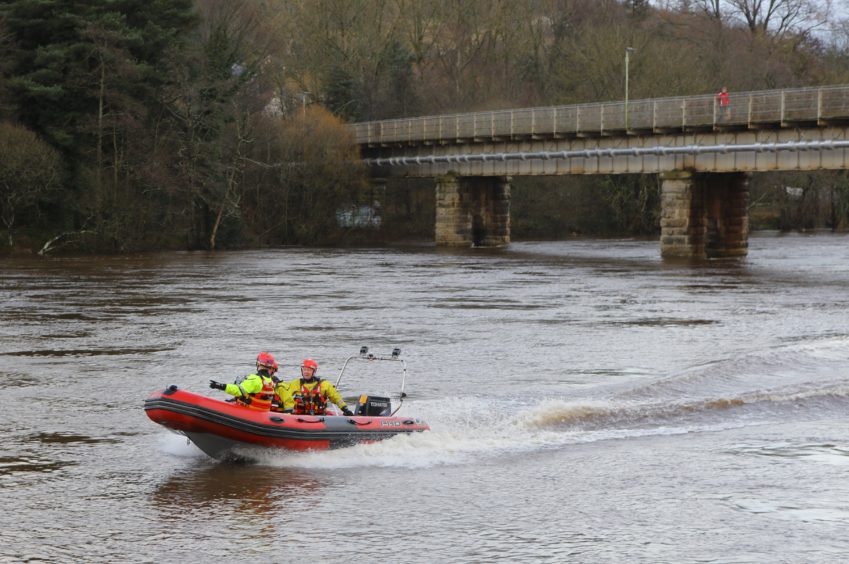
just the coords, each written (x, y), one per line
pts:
(207, 124)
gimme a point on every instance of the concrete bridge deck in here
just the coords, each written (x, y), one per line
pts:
(705, 153)
(791, 129)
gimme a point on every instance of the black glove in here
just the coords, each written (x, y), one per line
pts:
(346, 411)
(217, 385)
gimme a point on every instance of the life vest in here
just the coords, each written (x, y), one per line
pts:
(310, 402)
(261, 400)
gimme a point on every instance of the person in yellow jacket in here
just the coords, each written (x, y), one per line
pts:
(310, 394)
(283, 400)
(256, 390)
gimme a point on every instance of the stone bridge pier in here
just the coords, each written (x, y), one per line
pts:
(472, 210)
(704, 215)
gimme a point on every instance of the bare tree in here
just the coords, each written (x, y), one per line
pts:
(29, 169)
(780, 17)
(301, 170)
(713, 8)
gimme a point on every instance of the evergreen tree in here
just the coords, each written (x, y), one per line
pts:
(85, 75)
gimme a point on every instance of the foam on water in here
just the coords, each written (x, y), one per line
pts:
(463, 440)
(466, 446)
(755, 388)
(421, 450)
(178, 445)
(463, 431)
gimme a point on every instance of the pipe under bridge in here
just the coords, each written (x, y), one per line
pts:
(705, 152)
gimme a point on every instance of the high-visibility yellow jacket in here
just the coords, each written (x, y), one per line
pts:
(300, 388)
(255, 391)
(283, 395)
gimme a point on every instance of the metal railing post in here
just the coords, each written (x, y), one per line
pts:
(781, 115)
(749, 117)
(715, 104)
(654, 115)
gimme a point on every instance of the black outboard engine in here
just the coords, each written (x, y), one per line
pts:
(374, 406)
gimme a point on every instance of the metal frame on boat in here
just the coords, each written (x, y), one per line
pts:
(366, 356)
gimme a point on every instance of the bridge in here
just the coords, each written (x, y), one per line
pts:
(704, 151)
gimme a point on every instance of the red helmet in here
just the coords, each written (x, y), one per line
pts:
(310, 363)
(266, 361)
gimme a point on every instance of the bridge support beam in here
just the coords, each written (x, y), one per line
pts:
(472, 210)
(704, 215)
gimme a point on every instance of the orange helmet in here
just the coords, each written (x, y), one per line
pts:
(266, 361)
(309, 363)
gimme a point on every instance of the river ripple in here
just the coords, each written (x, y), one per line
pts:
(589, 402)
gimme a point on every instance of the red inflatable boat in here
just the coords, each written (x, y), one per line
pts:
(226, 430)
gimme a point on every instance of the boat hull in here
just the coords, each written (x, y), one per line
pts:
(226, 430)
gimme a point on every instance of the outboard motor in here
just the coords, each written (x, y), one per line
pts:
(374, 406)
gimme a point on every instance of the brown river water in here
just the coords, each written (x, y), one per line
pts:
(588, 401)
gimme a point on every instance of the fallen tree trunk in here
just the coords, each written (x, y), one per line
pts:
(50, 244)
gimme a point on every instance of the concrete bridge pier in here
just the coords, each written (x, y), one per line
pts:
(704, 215)
(472, 210)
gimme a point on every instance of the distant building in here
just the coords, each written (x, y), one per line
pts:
(359, 216)
(793, 192)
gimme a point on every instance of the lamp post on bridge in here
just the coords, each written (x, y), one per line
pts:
(304, 96)
(628, 51)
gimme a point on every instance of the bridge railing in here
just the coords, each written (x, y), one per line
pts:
(751, 109)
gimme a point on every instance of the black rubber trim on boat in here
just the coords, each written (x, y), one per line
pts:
(277, 419)
(360, 423)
